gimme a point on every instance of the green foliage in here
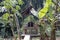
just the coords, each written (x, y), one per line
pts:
(44, 10)
(5, 16)
(7, 4)
(13, 10)
(20, 2)
(48, 30)
(28, 19)
(50, 14)
(18, 7)
(19, 14)
(12, 4)
(7, 0)
(0, 8)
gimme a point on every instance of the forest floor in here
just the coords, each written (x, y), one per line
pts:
(57, 38)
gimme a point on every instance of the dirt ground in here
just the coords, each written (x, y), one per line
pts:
(57, 38)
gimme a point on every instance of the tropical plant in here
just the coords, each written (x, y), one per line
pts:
(47, 11)
(12, 7)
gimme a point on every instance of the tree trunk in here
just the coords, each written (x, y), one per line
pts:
(42, 29)
(18, 27)
(46, 37)
(14, 38)
(53, 35)
(12, 27)
(42, 36)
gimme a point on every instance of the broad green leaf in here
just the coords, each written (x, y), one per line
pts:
(18, 14)
(20, 2)
(5, 16)
(50, 14)
(44, 10)
(8, 6)
(7, 1)
(14, 10)
(18, 7)
(14, 2)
